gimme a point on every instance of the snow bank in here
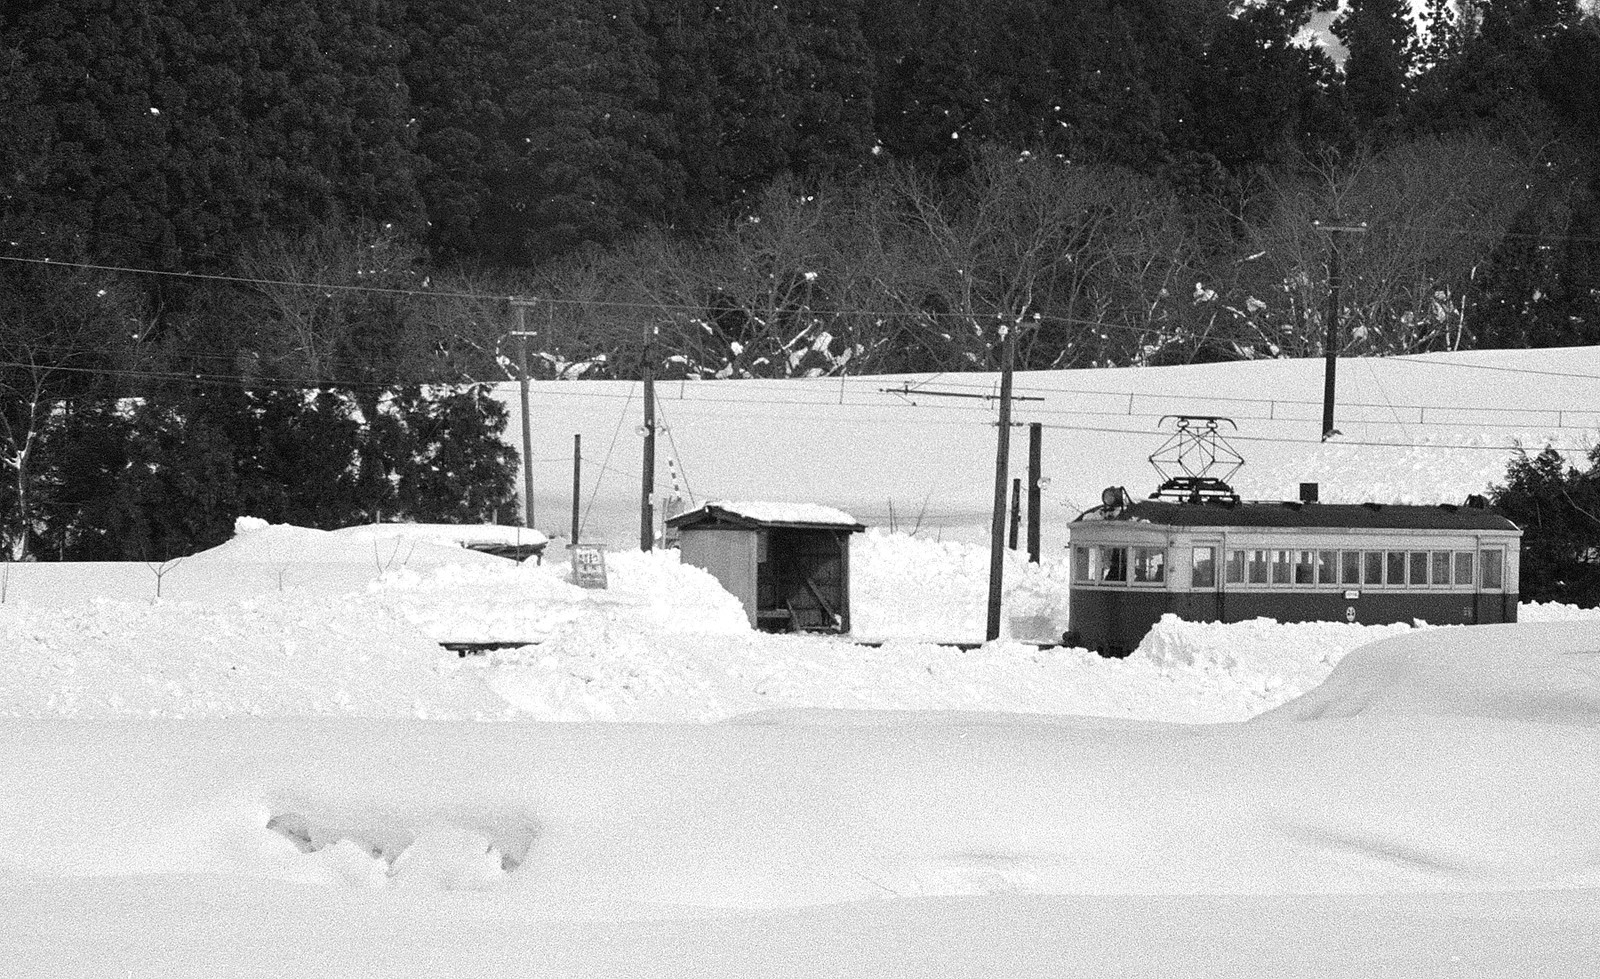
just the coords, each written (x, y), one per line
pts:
(1544, 672)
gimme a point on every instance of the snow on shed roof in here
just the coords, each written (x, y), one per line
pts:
(772, 514)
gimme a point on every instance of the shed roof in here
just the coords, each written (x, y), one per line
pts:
(755, 515)
(1361, 516)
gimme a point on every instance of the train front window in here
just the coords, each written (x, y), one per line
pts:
(1464, 569)
(1372, 568)
(1149, 564)
(1235, 572)
(1419, 568)
(1113, 564)
(1083, 563)
(1492, 579)
(1305, 568)
(1441, 567)
(1350, 567)
(1204, 573)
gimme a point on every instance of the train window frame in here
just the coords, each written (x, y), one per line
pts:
(1466, 561)
(1372, 567)
(1499, 565)
(1140, 560)
(1417, 569)
(1209, 562)
(1350, 568)
(1439, 569)
(1085, 563)
(1282, 566)
(1233, 570)
(1394, 568)
(1259, 558)
(1327, 566)
(1113, 564)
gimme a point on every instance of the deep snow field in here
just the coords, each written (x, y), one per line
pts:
(272, 768)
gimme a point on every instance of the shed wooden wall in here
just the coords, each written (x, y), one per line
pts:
(730, 556)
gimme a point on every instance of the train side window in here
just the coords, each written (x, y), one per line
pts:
(1492, 578)
(1305, 569)
(1441, 568)
(1204, 573)
(1327, 567)
(1350, 568)
(1258, 567)
(1235, 571)
(1113, 564)
(1395, 573)
(1419, 568)
(1083, 563)
(1280, 567)
(1372, 568)
(1464, 569)
(1149, 564)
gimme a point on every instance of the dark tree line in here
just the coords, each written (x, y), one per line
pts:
(335, 196)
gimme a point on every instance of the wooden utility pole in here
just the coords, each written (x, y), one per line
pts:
(1035, 490)
(577, 485)
(521, 306)
(1331, 343)
(1016, 514)
(1002, 466)
(647, 517)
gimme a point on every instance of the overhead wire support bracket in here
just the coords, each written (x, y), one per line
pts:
(906, 390)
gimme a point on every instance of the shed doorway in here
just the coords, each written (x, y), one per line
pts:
(801, 581)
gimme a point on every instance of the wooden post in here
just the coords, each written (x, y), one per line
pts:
(1016, 513)
(1002, 465)
(1035, 490)
(527, 434)
(577, 483)
(647, 517)
(1331, 343)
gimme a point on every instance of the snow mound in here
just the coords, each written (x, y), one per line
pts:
(258, 542)
(1542, 672)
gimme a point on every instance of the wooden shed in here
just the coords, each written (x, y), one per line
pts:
(788, 564)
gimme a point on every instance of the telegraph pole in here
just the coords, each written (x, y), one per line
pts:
(1035, 490)
(647, 517)
(1331, 343)
(521, 306)
(577, 486)
(1002, 465)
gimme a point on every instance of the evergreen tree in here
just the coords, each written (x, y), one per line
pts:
(1381, 40)
(1557, 506)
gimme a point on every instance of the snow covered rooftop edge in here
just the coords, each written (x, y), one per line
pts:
(786, 514)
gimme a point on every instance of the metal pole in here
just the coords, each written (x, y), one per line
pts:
(1035, 474)
(527, 434)
(1002, 464)
(577, 483)
(647, 520)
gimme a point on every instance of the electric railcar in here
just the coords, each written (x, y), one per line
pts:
(1226, 560)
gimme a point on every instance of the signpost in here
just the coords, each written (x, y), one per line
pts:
(589, 565)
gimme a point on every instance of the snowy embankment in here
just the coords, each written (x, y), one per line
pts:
(284, 621)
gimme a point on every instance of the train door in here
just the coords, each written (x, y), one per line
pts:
(1490, 595)
(1206, 595)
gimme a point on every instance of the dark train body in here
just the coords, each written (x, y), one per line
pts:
(1225, 560)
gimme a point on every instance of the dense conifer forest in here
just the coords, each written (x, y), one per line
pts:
(217, 214)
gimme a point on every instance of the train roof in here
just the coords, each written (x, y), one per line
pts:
(1362, 516)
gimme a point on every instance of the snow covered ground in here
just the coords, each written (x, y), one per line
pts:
(259, 761)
